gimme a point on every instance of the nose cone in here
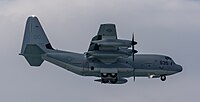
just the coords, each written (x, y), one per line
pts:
(179, 68)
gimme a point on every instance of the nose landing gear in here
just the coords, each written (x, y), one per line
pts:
(163, 77)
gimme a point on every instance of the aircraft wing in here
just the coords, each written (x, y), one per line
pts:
(106, 47)
(106, 32)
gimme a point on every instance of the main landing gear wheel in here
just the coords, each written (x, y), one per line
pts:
(109, 77)
(104, 74)
(163, 77)
(113, 75)
(104, 80)
(114, 80)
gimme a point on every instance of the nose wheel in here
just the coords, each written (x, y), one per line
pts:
(163, 77)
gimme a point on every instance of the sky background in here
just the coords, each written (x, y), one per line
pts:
(169, 27)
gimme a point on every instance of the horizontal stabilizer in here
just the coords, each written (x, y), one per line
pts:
(32, 54)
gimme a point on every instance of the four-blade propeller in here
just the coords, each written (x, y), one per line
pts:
(133, 43)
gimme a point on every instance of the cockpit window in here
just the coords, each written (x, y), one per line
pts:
(168, 58)
(167, 61)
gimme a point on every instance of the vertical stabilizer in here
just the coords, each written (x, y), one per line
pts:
(35, 42)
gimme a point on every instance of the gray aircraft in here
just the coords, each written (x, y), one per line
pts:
(110, 59)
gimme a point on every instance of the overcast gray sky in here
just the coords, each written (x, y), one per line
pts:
(169, 27)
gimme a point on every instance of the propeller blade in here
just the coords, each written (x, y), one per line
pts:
(134, 75)
(135, 51)
(133, 43)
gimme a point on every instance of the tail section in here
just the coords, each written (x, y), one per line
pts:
(35, 42)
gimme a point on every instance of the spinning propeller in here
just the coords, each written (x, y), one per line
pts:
(133, 43)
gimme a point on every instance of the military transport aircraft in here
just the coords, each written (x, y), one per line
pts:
(109, 58)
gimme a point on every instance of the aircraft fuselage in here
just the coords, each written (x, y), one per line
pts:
(145, 65)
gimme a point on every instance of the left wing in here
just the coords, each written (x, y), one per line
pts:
(106, 47)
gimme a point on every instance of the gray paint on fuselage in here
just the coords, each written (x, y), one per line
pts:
(67, 60)
(144, 64)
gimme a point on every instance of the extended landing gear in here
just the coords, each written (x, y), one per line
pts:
(163, 77)
(103, 80)
(104, 75)
(109, 77)
(113, 75)
(114, 80)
